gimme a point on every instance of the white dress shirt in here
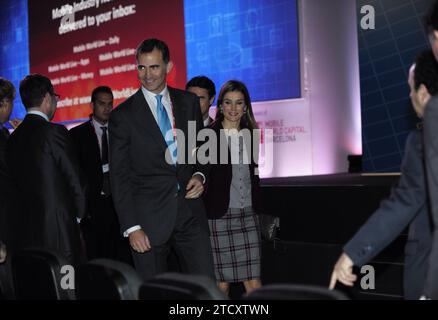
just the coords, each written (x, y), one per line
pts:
(39, 113)
(207, 121)
(98, 129)
(165, 100)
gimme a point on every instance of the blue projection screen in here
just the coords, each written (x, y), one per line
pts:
(255, 41)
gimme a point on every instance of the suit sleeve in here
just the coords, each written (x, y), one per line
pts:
(431, 160)
(75, 139)
(396, 212)
(120, 173)
(431, 153)
(66, 158)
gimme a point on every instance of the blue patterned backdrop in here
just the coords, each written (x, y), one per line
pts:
(14, 46)
(255, 41)
(385, 55)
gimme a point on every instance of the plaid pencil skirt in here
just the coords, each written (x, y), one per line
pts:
(235, 241)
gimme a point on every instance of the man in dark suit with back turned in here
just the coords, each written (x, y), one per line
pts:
(7, 95)
(407, 205)
(431, 159)
(42, 162)
(101, 228)
(156, 195)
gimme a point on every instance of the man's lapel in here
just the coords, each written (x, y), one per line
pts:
(179, 109)
(145, 120)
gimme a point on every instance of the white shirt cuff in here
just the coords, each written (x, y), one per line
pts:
(78, 220)
(131, 230)
(201, 174)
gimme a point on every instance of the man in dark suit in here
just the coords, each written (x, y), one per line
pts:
(204, 88)
(7, 95)
(431, 159)
(156, 192)
(407, 205)
(7, 203)
(101, 228)
(42, 162)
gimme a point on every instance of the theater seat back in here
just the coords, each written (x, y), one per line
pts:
(294, 292)
(177, 286)
(37, 275)
(105, 279)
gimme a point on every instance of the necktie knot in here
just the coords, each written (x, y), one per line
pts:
(104, 129)
(158, 97)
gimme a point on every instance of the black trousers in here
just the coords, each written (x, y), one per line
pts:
(102, 235)
(189, 241)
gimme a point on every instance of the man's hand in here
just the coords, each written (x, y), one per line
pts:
(195, 187)
(3, 252)
(343, 272)
(139, 241)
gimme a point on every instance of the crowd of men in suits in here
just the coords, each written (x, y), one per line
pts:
(82, 192)
(63, 195)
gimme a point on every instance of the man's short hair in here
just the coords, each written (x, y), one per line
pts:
(149, 45)
(7, 89)
(100, 89)
(426, 72)
(431, 18)
(204, 83)
(33, 89)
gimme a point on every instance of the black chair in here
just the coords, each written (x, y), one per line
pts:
(177, 286)
(104, 279)
(37, 275)
(294, 292)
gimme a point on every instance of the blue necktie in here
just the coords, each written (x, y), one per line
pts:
(165, 127)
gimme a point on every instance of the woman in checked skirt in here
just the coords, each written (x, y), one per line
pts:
(232, 193)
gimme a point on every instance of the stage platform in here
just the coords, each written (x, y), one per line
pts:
(340, 179)
(318, 215)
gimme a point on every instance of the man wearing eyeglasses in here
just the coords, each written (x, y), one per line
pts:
(43, 164)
